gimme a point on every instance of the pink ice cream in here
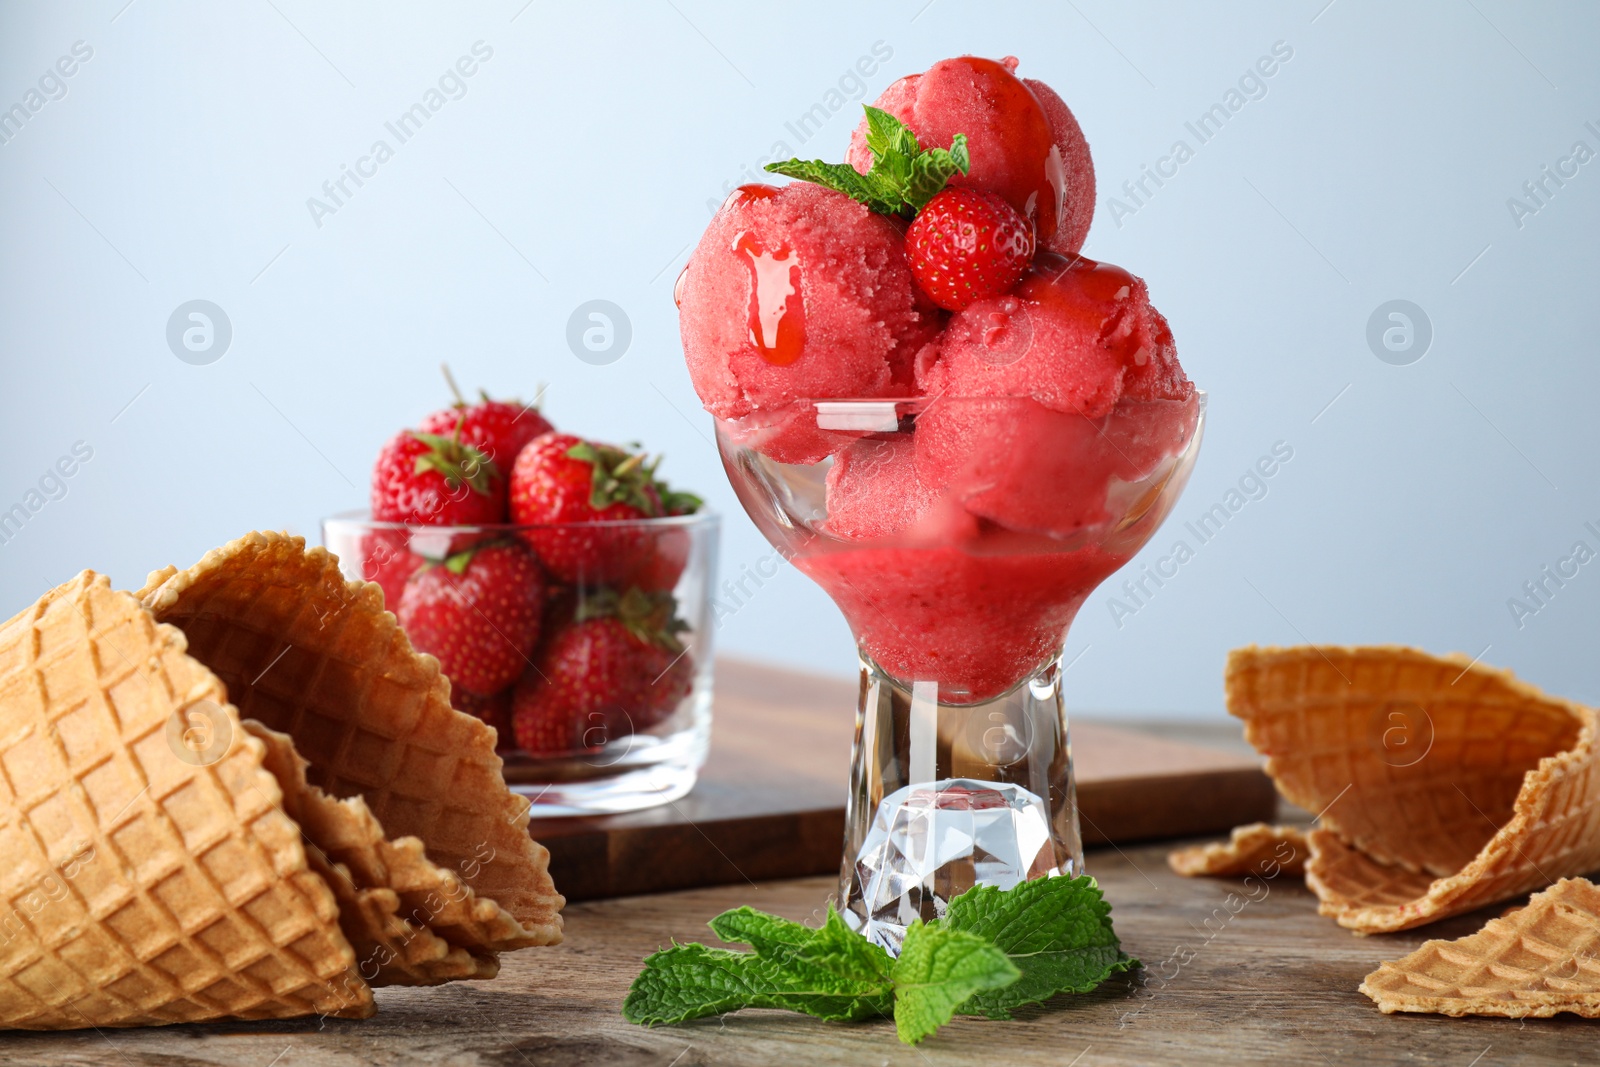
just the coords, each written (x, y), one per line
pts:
(874, 492)
(1034, 432)
(798, 292)
(1069, 336)
(1025, 143)
(977, 622)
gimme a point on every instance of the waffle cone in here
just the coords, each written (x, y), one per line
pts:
(150, 874)
(1532, 962)
(389, 930)
(1442, 785)
(1255, 849)
(309, 654)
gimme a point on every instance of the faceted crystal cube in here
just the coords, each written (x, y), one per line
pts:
(931, 841)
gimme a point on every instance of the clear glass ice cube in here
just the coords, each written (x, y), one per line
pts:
(934, 840)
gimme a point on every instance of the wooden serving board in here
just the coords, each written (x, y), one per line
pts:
(770, 801)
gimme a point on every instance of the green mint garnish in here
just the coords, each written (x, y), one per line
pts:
(830, 973)
(994, 950)
(939, 969)
(1056, 930)
(904, 175)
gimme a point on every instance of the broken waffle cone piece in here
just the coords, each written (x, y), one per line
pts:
(390, 931)
(150, 874)
(1256, 849)
(1442, 785)
(1535, 962)
(307, 653)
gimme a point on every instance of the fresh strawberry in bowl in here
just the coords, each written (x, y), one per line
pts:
(424, 479)
(499, 429)
(565, 590)
(616, 668)
(429, 479)
(583, 502)
(477, 613)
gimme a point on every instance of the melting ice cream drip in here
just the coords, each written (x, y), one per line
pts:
(777, 315)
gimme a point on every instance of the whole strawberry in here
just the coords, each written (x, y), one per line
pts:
(966, 245)
(497, 428)
(611, 671)
(564, 485)
(426, 479)
(478, 614)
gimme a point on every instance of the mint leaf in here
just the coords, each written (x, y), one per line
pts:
(887, 135)
(939, 969)
(841, 178)
(830, 973)
(1057, 931)
(933, 168)
(692, 981)
(834, 947)
(904, 175)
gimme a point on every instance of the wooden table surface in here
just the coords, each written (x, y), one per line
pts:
(1274, 983)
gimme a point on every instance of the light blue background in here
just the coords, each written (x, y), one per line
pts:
(579, 165)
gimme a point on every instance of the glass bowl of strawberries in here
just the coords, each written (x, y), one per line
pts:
(565, 590)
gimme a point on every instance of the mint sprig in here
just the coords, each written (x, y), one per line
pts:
(904, 175)
(994, 950)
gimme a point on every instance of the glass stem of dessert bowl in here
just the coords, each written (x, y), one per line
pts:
(947, 796)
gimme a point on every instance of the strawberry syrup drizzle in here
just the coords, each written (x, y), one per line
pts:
(777, 314)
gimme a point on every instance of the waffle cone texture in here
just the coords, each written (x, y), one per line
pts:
(1442, 785)
(165, 858)
(1533, 962)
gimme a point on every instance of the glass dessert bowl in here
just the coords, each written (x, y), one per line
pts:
(959, 537)
(603, 702)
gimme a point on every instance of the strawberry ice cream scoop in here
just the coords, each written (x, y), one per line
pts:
(1025, 145)
(1074, 335)
(1020, 465)
(799, 292)
(1076, 210)
(874, 491)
